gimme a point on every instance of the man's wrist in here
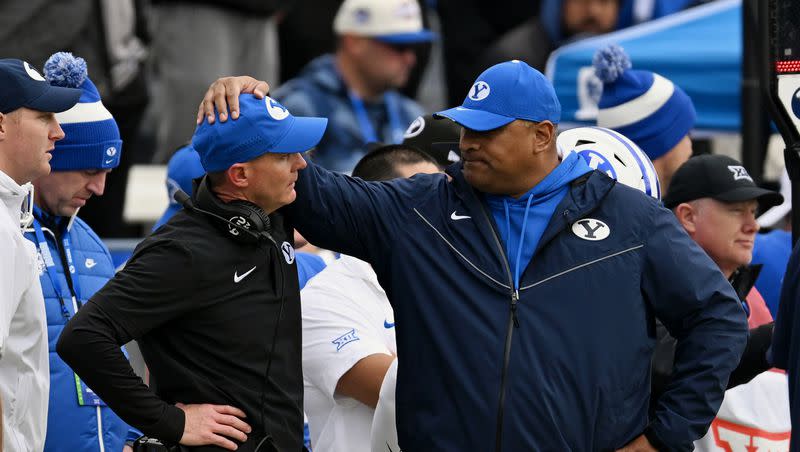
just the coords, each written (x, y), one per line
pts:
(170, 428)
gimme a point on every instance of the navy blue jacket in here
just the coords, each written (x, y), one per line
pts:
(564, 364)
(785, 352)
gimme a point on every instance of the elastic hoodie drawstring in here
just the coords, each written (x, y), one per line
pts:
(521, 238)
(539, 206)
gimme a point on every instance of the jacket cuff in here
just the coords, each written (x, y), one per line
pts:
(654, 439)
(170, 428)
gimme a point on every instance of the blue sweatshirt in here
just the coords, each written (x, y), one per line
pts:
(521, 222)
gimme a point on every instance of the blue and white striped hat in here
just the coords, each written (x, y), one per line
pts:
(92, 139)
(642, 105)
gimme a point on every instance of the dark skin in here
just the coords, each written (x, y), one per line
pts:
(508, 161)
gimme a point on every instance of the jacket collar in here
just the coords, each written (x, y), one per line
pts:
(744, 278)
(55, 223)
(12, 195)
(585, 194)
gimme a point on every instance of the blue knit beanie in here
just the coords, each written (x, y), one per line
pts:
(642, 105)
(92, 139)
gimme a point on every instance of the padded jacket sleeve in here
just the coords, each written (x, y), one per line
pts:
(700, 309)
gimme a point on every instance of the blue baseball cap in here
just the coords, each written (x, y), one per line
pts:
(183, 167)
(503, 93)
(264, 125)
(23, 86)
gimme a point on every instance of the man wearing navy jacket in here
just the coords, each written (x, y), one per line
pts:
(525, 288)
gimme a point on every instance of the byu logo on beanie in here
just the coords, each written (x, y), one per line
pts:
(479, 91)
(276, 110)
(739, 172)
(111, 152)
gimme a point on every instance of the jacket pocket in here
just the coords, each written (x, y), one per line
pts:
(622, 416)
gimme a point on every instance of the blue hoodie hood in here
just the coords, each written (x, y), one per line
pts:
(521, 222)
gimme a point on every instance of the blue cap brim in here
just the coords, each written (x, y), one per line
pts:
(478, 120)
(417, 37)
(304, 134)
(55, 99)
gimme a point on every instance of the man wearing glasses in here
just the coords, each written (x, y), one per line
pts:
(356, 87)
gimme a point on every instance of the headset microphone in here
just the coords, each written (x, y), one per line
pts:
(185, 200)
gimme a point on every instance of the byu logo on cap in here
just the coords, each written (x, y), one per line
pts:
(276, 110)
(33, 73)
(739, 173)
(591, 229)
(415, 128)
(598, 161)
(111, 152)
(479, 91)
(288, 252)
(361, 15)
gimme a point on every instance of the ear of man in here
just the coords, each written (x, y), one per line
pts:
(686, 214)
(544, 136)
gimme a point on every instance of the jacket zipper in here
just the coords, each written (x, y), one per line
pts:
(513, 322)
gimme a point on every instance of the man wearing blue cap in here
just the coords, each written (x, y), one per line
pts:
(357, 86)
(525, 288)
(28, 132)
(212, 299)
(74, 262)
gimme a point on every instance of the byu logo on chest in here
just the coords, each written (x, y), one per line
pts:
(288, 252)
(591, 229)
(479, 91)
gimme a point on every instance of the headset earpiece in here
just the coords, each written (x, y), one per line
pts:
(243, 220)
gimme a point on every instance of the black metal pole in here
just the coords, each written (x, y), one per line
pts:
(754, 118)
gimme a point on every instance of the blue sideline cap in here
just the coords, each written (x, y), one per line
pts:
(183, 167)
(23, 86)
(503, 93)
(263, 126)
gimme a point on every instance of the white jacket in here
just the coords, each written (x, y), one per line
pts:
(24, 368)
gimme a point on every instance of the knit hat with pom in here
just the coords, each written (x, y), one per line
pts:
(642, 105)
(92, 139)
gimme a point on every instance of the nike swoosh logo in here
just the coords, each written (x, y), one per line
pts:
(388, 325)
(108, 161)
(454, 216)
(237, 278)
(90, 264)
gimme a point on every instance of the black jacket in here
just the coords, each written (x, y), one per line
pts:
(203, 309)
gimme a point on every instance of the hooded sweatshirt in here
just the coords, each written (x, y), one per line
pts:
(24, 368)
(521, 222)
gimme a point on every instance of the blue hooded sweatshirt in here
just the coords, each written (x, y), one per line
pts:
(521, 222)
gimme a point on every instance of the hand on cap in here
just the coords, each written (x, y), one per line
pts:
(224, 93)
(213, 425)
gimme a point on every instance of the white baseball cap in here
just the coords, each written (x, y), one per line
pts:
(389, 21)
